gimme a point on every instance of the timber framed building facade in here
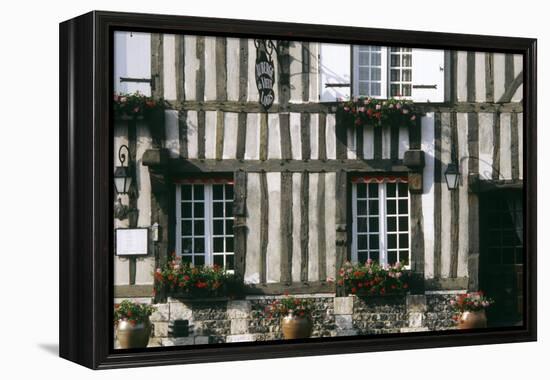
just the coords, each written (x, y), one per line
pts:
(278, 195)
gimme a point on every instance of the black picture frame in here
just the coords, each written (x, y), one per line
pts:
(86, 236)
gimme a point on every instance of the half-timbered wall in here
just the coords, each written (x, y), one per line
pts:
(296, 156)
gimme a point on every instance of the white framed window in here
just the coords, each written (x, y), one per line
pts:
(380, 226)
(370, 71)
(401, 72)
(204, 222)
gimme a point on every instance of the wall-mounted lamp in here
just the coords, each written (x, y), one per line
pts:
(123, 181)
(452, 174)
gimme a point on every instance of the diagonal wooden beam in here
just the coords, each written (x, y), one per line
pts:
(512, 88)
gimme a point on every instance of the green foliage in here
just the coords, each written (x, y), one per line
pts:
(136, 105)
(372, 279)
(133, 312)
(196, 281)
(369, 111)
(281, 307)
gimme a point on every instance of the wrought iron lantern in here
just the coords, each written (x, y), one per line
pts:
(123, 178)
(452, 175)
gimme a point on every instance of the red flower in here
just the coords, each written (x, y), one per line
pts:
(186, 278)
(369, 112)
(405, 285)
(354, 290)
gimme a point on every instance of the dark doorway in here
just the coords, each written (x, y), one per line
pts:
(501, 255)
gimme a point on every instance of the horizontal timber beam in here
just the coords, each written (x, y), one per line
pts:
(255, 107)
(180, 165)
(293, 288)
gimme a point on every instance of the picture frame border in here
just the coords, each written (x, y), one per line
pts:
(86, 197)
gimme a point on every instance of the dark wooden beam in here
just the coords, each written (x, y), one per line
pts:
(286, 227)
(292, 288)
(437, 194)
(511, 89)
(455, 202)
(305, 135)
(264, 226)
(321, 227)
(221, 68)
(240, 227)
(489, 78)
(304, 226)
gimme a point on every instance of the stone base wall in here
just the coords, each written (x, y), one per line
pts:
(226, 321)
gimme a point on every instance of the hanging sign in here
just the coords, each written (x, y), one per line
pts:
(265, 73)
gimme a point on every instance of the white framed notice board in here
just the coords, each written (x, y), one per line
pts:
(131, 241)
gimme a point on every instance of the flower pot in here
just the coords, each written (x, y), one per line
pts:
(472, 320)
(133, 336)
(296, 327)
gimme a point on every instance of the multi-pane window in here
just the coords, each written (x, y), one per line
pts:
(380, 208)
(400, 71)
(370, 71)
(205, 223)
(381, 72)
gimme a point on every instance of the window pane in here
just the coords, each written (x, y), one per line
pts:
(394, 75)
(229, 244)
(407, 75)
(404, 257)
(229, 262)
(403, 241)
(362, 242)
(186, 210)
(228, 209)
(375, 59)
(392, 223)
(217, 192)
(185, 192)
(394, 90)
(364, 73)
(186, 227)
(395, 49)
(390, 190)
(199, 227)
(407, 60)
(402, 187)
(375, 89)
(229, 227)
(362, 257)
(373, 224)
(373, 190)
(361, 207)
(362, 224)
(218, 244)
(375, 74)
(186, 245)
(392, 241)
(374, 242)
(198, 192)
(218, 227)
(363, 58)
(394, 60)
(218, 260)
(392, 258)
(403, 206)
(406, 90)
(390, 206)
(364, 88)
(218, 209)
(361, 190)
(199, 260)
(375, 256)
(373, 207)
(198, 210)
(188, 259)
(229, 191)
(403, 223)
(199, 245)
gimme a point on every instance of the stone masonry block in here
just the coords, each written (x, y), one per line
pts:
(343, 322)
(162, 314)
(160, 329)
(343, 305)
(240, 338)
(416, 319)
(416, 303)
(179, 310)
(202, 339)
(238, 309)
(239, 326)
(177, 341)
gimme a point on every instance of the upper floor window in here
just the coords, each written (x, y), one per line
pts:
(204, 222)
(381, 72)
(380, 211)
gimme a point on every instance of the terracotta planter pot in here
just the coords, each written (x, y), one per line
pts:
(136, 336)
(472, 320)
(295, 327)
